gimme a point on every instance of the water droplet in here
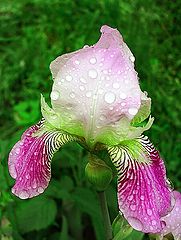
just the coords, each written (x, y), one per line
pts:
(77, 62)
(133, 207)
(116, 85)
(86, 46)
(93, 60)
(105, 71)
(24, 195)
(130, 197)
(109, 97)
(35, 153)
(102, 117)
(123, 104)
(68, 78)
(34, 185)
(88, 94)
(135, 223)
(153, 222)
(17, 150)
(142, 197)
(83, 80)
(149, 212)
(27, 176)
(123, 95)
(92, 73)
(132, 58)
(72, 95)
(82, 88)
(54, 95)
(133, 111)
(40, 190)
(176, 209)
(101, 64)
(59, 83)
(100, 91)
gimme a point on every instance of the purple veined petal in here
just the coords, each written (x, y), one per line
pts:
(30, 158)
(143, 193)
(173, 219)
(96, 87)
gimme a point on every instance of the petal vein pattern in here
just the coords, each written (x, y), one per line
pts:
(143, 194)
(29, 160)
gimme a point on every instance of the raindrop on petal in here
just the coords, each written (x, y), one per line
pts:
(109, 97)
(54, 95)
(88, 94)
(149, 212)
(40, 190)
(116, 85)
(122, 95)
(24, 195)
(83, 80)
(77, 62)
(72, 95)
(133, 111)
(93, 60)
(132, 58)
(92, 73)
(133, 207)
(68, 78)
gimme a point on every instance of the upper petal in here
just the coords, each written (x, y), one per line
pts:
(29, 159)
(96, 86)
(143, 193)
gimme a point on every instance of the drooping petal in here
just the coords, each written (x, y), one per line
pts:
(97, 88)
(29, 160)
(143, 193)
(173, 219)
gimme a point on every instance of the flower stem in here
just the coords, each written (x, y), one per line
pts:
(105, 214)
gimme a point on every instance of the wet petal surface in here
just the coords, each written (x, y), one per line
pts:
(143, 193)
(96, 86)
(29, 160)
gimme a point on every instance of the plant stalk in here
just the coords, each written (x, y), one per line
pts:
(105, 214)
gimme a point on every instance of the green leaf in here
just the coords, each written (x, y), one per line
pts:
(35, 214)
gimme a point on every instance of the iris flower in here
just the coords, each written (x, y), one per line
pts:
(97, 101)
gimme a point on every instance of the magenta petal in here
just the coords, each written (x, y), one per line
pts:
(173, 219)
(29, 160)
(143, 193)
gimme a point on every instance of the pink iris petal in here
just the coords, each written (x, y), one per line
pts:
(143, 194)
(173, 219)
(29, 160)
(96, 86)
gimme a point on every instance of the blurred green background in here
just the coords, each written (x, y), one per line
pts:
(32, 34)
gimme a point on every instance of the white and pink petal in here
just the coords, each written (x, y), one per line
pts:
(96, 87)
(143, 193)
(30, 159)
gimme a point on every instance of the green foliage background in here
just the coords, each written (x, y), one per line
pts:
(32, 34)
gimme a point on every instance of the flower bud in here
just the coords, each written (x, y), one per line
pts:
(99, 174)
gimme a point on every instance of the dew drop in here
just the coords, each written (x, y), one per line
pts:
(102, 117)
(34, 185)
(109, 97)
(133, 207)
(83, 80)
(133, 111)
(35, 153)
(132, 58)
(93, 60)
(100, 91)
(142, 197)
(24, 195)
(116, 85)
(123, 104)
(59, 83)
(54, 95)
(72, 95)
(40, 190)
(123, 95)
(68, 78)
(135, 223)
(17, 150)
(27, 176)
(77, 62)
(82, 88)
(92, 73)
(130, 197)
(88, 94)
(149, 212)
(153, 222)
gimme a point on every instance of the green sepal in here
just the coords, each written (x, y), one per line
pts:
(121, 228)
